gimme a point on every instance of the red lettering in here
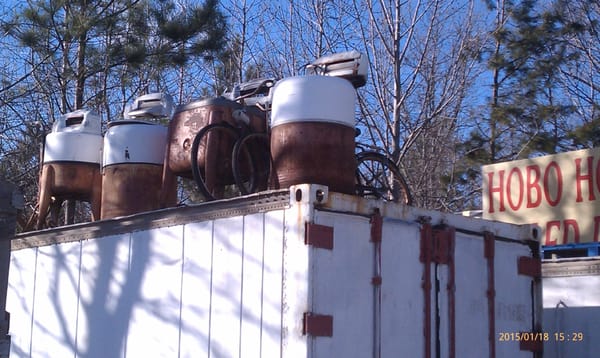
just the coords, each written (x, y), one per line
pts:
(596, 229)
(559, 184)
(581, 177)
(498, 189)
(598, 175)
(549, 225)
(533, 185)
(567, 226)
(509, 186)
(571, 223)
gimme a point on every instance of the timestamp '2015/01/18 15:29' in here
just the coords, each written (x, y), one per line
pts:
(541, 336)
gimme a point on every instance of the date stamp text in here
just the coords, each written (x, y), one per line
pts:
(540, 336)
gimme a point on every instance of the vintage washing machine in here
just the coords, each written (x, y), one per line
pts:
(312, 124)
(215, 154)
(132, 166)
(71, 163)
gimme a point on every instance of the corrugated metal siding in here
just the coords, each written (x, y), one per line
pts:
(193, 290)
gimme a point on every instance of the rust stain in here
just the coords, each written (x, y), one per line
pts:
(314, 152)
(69, 181)
(130, 188)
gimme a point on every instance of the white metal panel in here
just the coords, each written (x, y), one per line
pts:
(402, 303)
(226, 287)
(19, 300)
(56, 301)
(472, 319)
(573, 291)
(572, 332)
(514, 306)
(512, 300)
(232, 287)
(471, 304)
(341, 286)
(252, 285)
(359, 206)
(196, 285)
(273, 299)
(107, 296)
(155, 262)
(294, 269)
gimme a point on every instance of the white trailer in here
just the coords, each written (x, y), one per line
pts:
(294, 273)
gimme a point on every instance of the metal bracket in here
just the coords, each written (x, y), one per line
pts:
(317, 325)
(535, 346)
(443, 244)
(530, 266)
(319, 236)
(376, 226)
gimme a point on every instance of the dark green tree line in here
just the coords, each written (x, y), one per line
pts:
(97, 55)
(528, 112)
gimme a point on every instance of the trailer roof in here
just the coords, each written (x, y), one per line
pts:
(312, 194)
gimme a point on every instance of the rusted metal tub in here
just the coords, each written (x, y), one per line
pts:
(313, 130)
(190, 118)
(187, 121)
(215, 150)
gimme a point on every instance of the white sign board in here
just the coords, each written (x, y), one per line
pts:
(560, 193)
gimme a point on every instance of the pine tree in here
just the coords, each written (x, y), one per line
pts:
(77, 40)
(99, 55)
(527, 113)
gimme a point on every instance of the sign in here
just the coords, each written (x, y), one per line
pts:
(560, 193)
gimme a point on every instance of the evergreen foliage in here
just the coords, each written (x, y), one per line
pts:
(96, 55)
(528, 112)
(449, 90)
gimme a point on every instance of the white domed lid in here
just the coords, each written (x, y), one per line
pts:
(313, 99)
(82, 121)
(150, 106)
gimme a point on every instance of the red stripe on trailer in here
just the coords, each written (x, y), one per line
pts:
(425, 257)
(376, 226)
(376, 223)
(444, 241)
(489, 252)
